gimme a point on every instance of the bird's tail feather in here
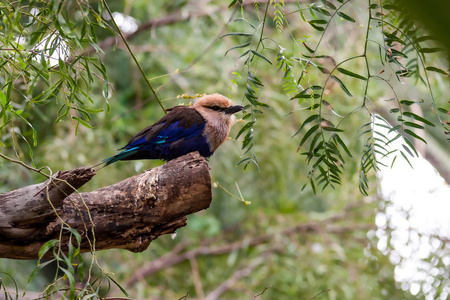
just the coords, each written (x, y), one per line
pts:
(117, 157)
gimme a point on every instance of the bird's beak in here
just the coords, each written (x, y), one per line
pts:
(233, 109)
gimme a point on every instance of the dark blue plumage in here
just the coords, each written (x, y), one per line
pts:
(184, 129)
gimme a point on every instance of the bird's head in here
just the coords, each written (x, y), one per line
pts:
(218, 112)
(218, 107)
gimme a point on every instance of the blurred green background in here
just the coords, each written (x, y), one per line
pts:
(288, 243)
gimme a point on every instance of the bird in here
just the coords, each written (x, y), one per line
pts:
(202, 127)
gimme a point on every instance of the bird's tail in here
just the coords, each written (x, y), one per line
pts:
(117, 157)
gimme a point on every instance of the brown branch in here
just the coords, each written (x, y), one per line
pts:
(169, 20)
(324, 291)
(262, 293)
(173, 258)
(24, 211)
(127, 215)
(196, 278)
(238, 274)
(150, 25)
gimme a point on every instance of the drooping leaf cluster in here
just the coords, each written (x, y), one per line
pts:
(71, 270)
(400, 44)
(46, 63)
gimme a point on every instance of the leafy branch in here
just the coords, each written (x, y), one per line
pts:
(252, 55)
(41, 65)
(318, 133)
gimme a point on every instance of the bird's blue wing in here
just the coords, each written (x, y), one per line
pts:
(176, 134)
(167, 135)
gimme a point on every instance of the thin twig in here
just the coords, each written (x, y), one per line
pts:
(227, 284)
(16, 161)
(133, 56)
(185, 296)
(265, 289)
(196, 278)
(197, 59)
(327, 290)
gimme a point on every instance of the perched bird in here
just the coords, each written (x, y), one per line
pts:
(202, 127)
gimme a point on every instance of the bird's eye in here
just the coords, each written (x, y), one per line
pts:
(215, 107)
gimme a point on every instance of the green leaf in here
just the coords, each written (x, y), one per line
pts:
(339, 140)
(344, 88)
(75, 233)
(329, 4)
(312, 148)
(411, 145)
(33, 131)
(346, 17)
(82, 122)
(322, 11)
(244, 128)
(443, 110)
(237, 47)
(232, 3)
(243, 160)
(38, 268)
(424, 38)
(308, 48)
(395, 128)
(237, 34)
(307, 121)
(119, 286)
(247, 139)
(328, 106)
(407, 102)
(392, 37)
(246, 21)
(415, 125)
(255, 80)
(71, 277)
(413, 134)
(47, 246)
(317, 163)
(3, 100)
(418, 118)
(306, 96)
(323, 69)
(350, 73)
(398, 53)
(260, 55)
(430, 50)
(80, 267)
(331, 128)
(434, 69)
(316, 27)
(318, 21)
(308, 134)
(313, 186)
(106, 89)
(406, 158)
(244, 54)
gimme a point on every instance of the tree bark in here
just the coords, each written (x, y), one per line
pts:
(127, 215)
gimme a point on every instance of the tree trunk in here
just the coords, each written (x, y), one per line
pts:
(127, 215)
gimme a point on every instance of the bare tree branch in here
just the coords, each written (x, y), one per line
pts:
(127, 215)
(174, 258)
(238, 274)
